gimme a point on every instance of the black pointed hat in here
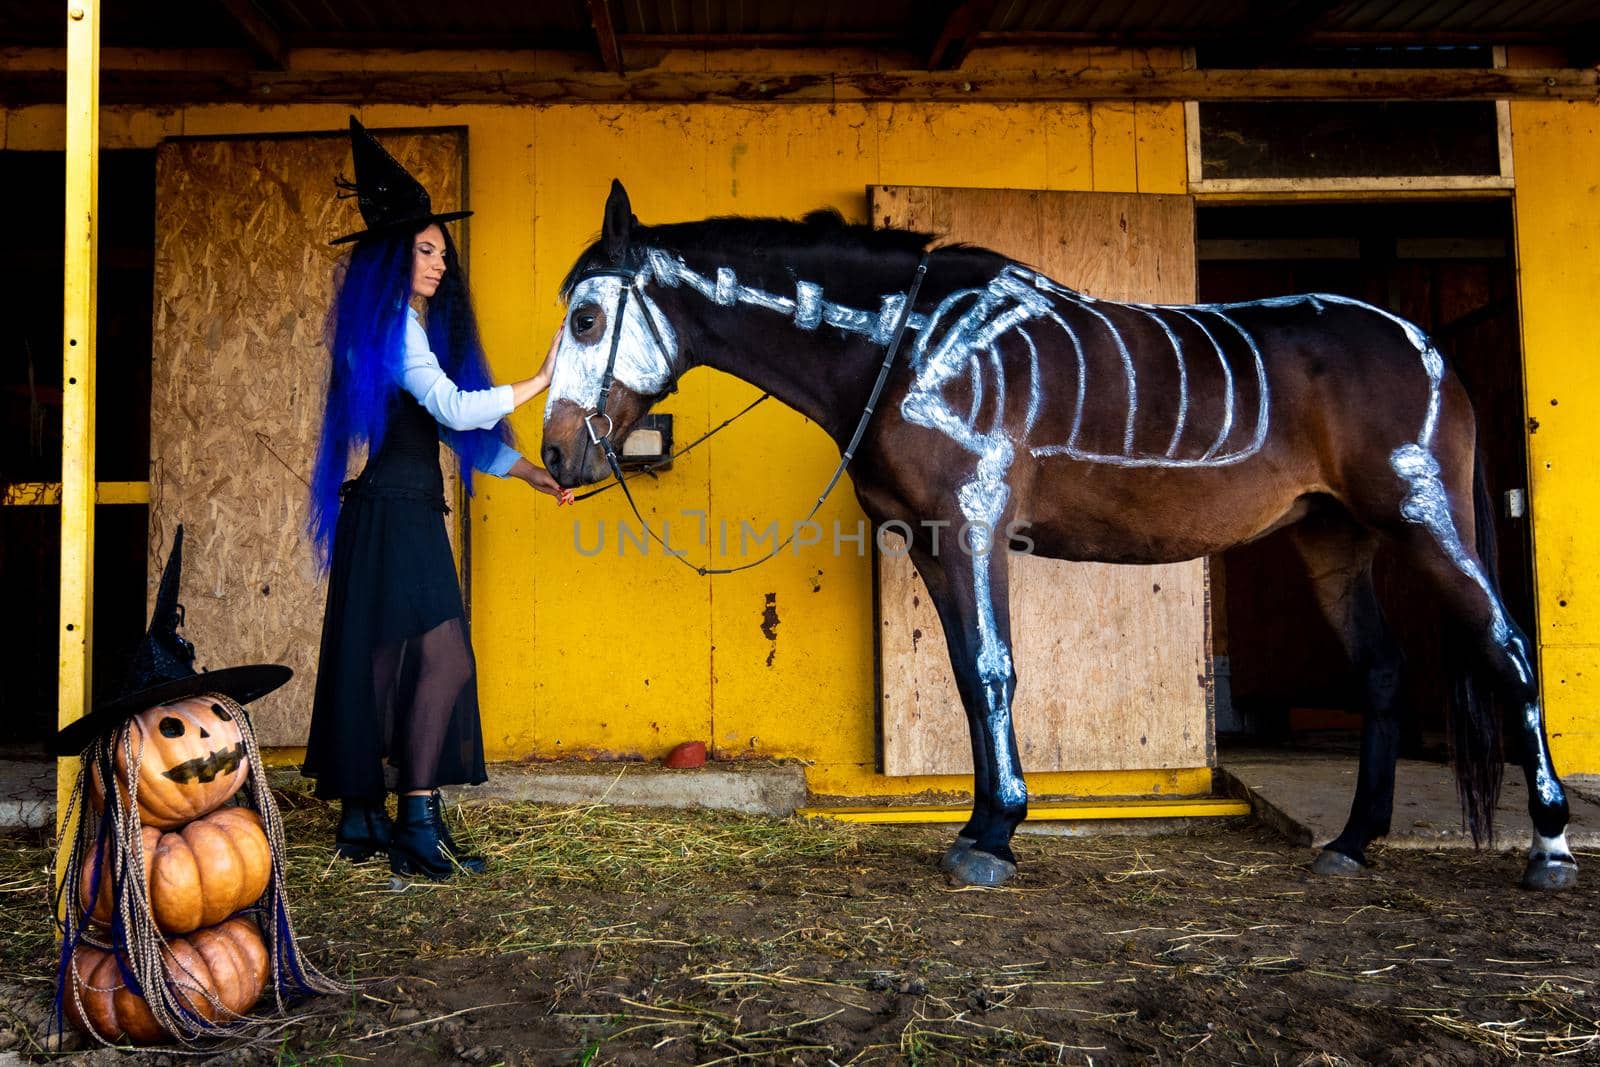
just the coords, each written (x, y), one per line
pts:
(390, 199)
(163, 670)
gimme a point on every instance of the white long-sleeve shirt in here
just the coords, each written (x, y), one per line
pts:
(455, 409)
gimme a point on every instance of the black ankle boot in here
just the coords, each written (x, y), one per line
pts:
(475, 864)
(364, 829)
(418, 847)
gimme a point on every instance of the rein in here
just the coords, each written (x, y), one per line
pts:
(608, 379)
(651, 468)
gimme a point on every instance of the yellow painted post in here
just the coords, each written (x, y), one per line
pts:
(1557, 155)
(77, 373)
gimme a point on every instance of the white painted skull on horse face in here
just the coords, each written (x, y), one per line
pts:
(615, 356)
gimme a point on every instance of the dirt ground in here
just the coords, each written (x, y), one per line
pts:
(603, 936)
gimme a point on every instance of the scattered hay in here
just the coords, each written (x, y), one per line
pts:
(605, 936)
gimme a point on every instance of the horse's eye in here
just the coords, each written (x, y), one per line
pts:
(588, 322)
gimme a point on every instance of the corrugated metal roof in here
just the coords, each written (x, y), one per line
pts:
(519, 23)
(171, 24)
(568, 23)
(1475, 16)
(1116, 19)
(759, 17)
(1161, 18)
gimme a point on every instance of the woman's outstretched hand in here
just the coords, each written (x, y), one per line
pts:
(540, 479)
(524, 391)
(528, 388)
(547, 369)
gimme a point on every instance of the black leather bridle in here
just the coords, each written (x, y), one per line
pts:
(630, 278)
(636, 278)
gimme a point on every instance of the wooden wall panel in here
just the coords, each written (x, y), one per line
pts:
(243, 284)
(1111, 661)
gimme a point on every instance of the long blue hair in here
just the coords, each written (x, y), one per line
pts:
(366, 342)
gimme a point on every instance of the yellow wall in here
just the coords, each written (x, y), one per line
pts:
(628, 656)
(1556, 149)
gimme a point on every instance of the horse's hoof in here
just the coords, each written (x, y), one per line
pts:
(1334, 863)
(1550, 874)
(976, 867)
(953, 854)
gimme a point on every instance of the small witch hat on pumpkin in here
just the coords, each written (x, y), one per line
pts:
(390, 199)
(163, 670)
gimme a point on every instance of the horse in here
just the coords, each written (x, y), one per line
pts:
(1113, 432)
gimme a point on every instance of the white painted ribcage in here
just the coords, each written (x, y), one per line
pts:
(963, 342)
(1144, 393)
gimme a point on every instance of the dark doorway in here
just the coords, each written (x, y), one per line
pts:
(30, 430)
(1448, 267)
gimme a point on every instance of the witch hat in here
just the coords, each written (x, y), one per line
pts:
(391, 200)
(163, 670)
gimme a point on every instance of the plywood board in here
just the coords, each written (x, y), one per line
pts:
(1111, 660)
(243, 284)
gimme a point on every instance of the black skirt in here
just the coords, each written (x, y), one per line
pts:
(396, 704)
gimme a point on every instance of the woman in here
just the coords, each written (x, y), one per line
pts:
(396, 681)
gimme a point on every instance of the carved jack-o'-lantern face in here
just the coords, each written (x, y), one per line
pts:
(192, 760)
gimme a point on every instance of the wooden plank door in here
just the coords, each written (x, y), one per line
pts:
(244, 276)
(1112, 661)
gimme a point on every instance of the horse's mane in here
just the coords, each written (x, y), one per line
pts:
(853, 262)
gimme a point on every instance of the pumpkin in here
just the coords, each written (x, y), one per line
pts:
(228, 962)
(192, 760)
(196, 876)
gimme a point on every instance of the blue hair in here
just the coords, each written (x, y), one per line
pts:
(366, 345)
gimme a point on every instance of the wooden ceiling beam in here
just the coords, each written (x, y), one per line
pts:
(958, 33)
(262, 37)
(175, 86)
(605, 35)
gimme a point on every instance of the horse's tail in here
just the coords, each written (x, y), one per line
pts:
(1475, 745)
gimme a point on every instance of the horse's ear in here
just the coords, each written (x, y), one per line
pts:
(617, 229)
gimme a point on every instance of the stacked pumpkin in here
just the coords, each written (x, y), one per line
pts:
(202, 865)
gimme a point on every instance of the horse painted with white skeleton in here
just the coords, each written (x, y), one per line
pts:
(1111, 432)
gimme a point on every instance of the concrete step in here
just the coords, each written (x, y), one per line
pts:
(755, 789)
(1307, 798)
(27, 794)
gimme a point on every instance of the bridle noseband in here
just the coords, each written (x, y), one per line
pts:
(633, 279)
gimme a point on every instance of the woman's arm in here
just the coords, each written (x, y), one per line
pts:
(461, 409)
(509, 463)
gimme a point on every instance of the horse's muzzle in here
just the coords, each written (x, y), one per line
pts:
(577, 464)
(568, 454)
